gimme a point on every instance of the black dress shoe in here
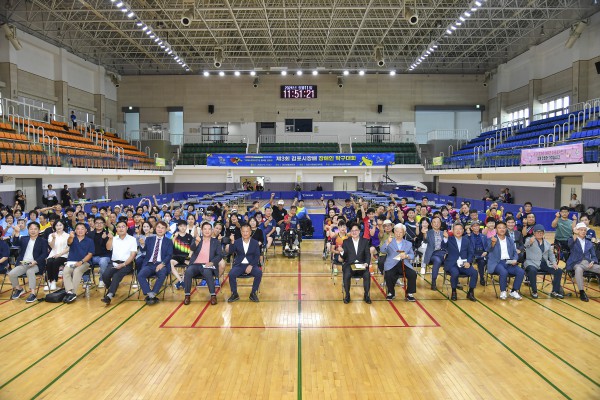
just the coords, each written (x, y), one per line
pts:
(368, 299)
(433, 286)
(346, 299)
(105, 300)
(583, 296)
(481, 283)
(233, 297)
(453, 296)
(471, 295)
(253, 297)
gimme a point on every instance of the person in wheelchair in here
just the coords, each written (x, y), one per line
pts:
(306, 226)
(290, 237)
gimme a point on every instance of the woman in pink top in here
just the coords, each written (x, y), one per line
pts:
(490, 227)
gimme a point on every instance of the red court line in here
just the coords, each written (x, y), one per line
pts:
(427, 312)
(390, 302)
(577, 294)
(208, 304)
(304, 327)
(174, 311)
(5, 301)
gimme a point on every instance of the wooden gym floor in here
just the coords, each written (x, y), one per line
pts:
(301, 341)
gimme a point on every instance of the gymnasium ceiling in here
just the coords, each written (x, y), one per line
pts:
(274, 35)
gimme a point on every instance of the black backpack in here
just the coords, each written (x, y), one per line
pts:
(56, 297)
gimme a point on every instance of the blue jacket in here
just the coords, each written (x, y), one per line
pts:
(466, 251)
(253, 254)
(40, 251)
(578, 254)
(430, 240)
(166, 250)
(484, 242)
(494, 253)
(392, 251)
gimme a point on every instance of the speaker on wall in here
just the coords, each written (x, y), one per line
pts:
(211, 109)
(598, 67)
(379, 108)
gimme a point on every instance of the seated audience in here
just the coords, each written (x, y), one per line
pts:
(101, 239)
(78, 262)
(434, 252)
(31, 260)
(355, 250)
(540, 257)
(204, 261)
(396, 246)
(459, 261)
(502, 261)
(124, 249)
(58, 254)
(582, 257)
(159, 250)
(246, 261)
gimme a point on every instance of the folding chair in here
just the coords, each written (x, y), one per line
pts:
(448, 285)
(356, 275)
(489, 275)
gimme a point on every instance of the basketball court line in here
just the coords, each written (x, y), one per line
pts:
(29, 322)
(20, 311)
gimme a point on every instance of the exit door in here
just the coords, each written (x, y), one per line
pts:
(569, 185)
(345, 183)
(29, 188)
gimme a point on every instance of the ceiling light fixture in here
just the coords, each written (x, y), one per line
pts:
(221, 73)
(346, 72)
(237, 73)
(252, 73)
(315, 72)
(206, 73)
(162, 44)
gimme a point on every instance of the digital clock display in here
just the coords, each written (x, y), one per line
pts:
(298, 91)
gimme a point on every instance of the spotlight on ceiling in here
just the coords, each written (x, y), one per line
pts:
(256, 82)
(379, 56)
(576, 31)
(410, 15)
(187, 17)
(218, 61)
(340, 81)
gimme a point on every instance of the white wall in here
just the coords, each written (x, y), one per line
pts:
(547, 58)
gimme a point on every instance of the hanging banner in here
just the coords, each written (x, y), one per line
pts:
(571, 153)
(437, 160)
(300, 160)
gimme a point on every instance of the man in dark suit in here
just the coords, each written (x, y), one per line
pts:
(459, 260)
(205, 258)
(31, 260)
(246, 261)
(355, 250)
(159, 250)
(582, 257)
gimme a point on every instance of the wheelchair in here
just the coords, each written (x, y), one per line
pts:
(290, 241)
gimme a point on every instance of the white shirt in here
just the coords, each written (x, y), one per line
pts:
(356, 245)
(122, 248)
(504, 255)
(459, 243)
(246, 246)
(29, 251)
(60, 245)
(582, 243)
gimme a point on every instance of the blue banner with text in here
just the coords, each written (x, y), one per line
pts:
(300, 160)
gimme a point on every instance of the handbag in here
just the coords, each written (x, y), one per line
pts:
(55, 297)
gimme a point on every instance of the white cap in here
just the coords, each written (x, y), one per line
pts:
(580, 225)
(387, 221)
(281, 202)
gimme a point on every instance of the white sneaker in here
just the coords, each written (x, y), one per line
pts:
(295, 248)
(53, 285)
(422, 270)
(46, 288)
(400, 282)
(503, 295)
(287, 247)
(515, 295)
(134, 286)
(100, 284)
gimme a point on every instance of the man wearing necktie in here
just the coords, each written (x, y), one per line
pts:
(459, 261)
(355, 250)
(159, 251)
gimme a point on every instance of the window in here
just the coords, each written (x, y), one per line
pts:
(176, 127)
(519, 115)
(555, 107)
(35, 109)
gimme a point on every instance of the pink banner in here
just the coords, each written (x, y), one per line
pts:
(572, 153)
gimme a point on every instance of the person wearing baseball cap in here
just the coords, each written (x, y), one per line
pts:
(581, 258)
(540, 259)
